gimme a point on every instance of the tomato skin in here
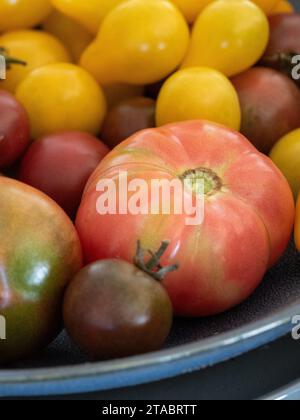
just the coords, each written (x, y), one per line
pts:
(22, 14)
(127, 118)
(36, 49)
(284, 34)
(284, 6)
(297, 225)
(14, 129)
(40, 254)
(229, 36)
(265, 118)
(112, 309)
(254, 208)
(286, 156)
(74, 101)
(135, 53)
(60, 165)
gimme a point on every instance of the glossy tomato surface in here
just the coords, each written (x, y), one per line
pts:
(248, 213)
(60, 165)
(14, 129)
(39, 253)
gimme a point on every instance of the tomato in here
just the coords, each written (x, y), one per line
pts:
(266, 5)
(248, 213)
(62, 97)
(60, 165)
(75, 37)
(229, 36)
(40, 254)
(129, 50)
(265, 119)
(89, 13)
(297, 225)
(198, 93)
(35, 48)
(14, 130)
(283, 6)
(118, 92)
(284, 44)
(127, 118)
(286, 155)
(112, 310)
(22, 14)
(191, 8)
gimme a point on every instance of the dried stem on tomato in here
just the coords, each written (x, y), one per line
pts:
(153, 266)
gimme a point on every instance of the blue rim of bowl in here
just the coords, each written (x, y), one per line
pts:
(100, 376)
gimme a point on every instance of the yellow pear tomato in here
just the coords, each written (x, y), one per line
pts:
(139, 42)
(89, 13)
(283, 6)
(22, 14)
(198, 93)
(286, 156)
(74, 36)
(191, 8)
(266, 5)
(62, 97)
(35, 48)
(229, 35)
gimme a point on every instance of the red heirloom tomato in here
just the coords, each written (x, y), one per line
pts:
(14, 129)
(60, 165)
(248, 213)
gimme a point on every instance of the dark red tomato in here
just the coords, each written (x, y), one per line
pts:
(284, 43)
(112, 309)
(127, 118)
(284, 34)
(270, 104)
(60, 165)
(14, 129)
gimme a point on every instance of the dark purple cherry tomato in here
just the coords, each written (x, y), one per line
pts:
(127, 118)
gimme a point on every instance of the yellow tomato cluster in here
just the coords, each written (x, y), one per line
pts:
(89, 55)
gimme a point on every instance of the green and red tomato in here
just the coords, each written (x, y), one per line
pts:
(39, 253)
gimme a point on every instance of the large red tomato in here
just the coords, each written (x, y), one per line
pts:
(249, 213)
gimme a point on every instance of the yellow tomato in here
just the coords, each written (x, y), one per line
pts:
(89, 13)
(62, 97)
(229, 35)
(198, 93)
(283, 7)
(139, 42)
(191, 8)
(286, 156)
(297, 225)
(74, 36)
(266, 5)
(36, 48)
(22, 14)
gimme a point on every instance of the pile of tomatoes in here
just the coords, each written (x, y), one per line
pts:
(189, 90)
